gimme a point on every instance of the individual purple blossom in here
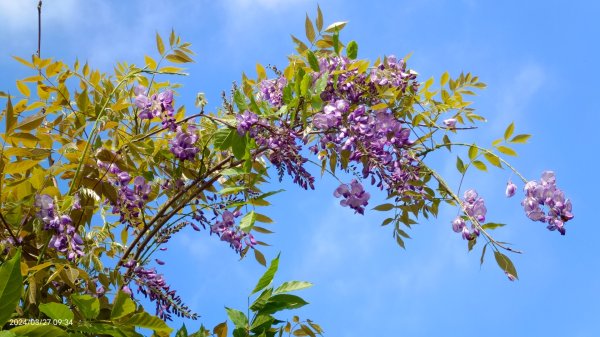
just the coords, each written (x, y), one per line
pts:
(450, 123)
(510, 189)
(354, 196)
(182, 145)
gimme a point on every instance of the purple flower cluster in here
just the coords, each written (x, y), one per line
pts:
(129, 200)
(474, 207)
(354, 196)
(153, 286)
(374, 138)
(182, 145)
(545, 193)
(246, 121)
(228, 232)
(157, 105)
(393, 72)
(65, 238)
(272, 91)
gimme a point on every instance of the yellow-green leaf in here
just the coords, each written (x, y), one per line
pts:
(23, 89)
(319, 21)
(509, 131)
(444, 78)
(310, 31)
(160, 46)
(20, 166)
(473, 152)
(261, 72)
(480, 165)
(150, 63)
(520, 138)
(493, 159)
(507, 150)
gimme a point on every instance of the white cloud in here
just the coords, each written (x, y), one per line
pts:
(518, 92)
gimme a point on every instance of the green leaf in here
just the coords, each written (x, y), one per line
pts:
(248, 221)
(312, 60)
(352, 50)
(304, 85)
(509, 131)
(492, 225)
(11, 286)
(145, 320)
(240, 100)
(237, 317)
(7, 333)
(472, 244)
(259, 257)
(122, 306)
(309, 29)
(160, 46)
(520, 138)
(336, 42)
(383, 207)
(505, 264)
(56, 311)
(223, 138)
(482, 254)
(88, 305)
(182, 332)
(507, 150)
(238, 145)
(460, 166)
(31, 330)
(292, 286)
(268, 276)
(336, 26)
(283, 302)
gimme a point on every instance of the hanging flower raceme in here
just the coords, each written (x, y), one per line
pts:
(157, 105)
(272, 91)
(228, 232)
(129, 201)
(65, 238)
(474, 207)
(182, 145)
(545, 193)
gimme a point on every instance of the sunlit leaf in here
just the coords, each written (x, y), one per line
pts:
(309, 29)
(160, 46)
(268, 276)
(509, 131)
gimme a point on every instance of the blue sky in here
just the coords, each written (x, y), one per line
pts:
(539, 59)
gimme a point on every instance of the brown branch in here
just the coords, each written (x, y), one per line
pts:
(8, 228)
